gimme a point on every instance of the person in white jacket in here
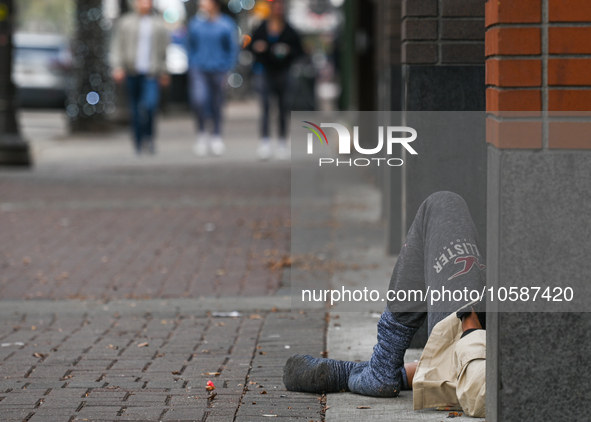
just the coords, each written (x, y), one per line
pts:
(441, 254)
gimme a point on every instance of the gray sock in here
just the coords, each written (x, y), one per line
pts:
(384, 375)
(308, 374)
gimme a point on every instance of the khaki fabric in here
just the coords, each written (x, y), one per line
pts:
(125, 43)
(452, 370)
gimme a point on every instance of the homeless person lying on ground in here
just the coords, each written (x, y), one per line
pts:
(440, 252)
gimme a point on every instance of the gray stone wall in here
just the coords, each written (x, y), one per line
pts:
(538, 235)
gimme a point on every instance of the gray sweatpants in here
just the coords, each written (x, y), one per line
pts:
(441, 253)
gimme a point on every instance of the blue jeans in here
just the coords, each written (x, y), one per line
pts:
(144, 96)
(276, 85)
(207, 97)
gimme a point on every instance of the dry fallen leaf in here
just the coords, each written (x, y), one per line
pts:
(284, 262)
(363, 407)
(39, 355)
(143, 345)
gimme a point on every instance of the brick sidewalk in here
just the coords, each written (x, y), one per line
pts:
(92, 225)
(152, 366)
(87, 223)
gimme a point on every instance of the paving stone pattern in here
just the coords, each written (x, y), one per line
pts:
(156, 232)
(154, 367)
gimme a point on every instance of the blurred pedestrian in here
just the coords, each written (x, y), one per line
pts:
(213, 50)
(275, 45)
(139, 58)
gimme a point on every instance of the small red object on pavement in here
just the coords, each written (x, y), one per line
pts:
(210, 386)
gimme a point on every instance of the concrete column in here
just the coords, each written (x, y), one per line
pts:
(539, 178)
(389, 96)
(443, 70)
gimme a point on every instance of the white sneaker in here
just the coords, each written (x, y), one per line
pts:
(264, 149)
(200, 146)
(282, 152)
(217, 146)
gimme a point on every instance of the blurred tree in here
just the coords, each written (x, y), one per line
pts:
(124, 6)
(13, 149)
(92, 93)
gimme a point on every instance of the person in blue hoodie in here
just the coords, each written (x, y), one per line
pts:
(213, 49)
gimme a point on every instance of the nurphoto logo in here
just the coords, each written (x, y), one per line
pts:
(344, 144)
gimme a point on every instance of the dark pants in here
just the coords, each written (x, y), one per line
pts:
(268, 85)
(144, 96)
(207, 97)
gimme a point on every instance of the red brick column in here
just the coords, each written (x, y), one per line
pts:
(538, 71)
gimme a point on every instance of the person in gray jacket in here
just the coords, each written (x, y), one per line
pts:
(138, 57)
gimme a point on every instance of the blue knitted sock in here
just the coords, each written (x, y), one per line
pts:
(311, 375)
(383, 376)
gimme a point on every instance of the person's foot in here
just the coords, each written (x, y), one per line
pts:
(367, 381)
(282, 152)
(217, 146)
(308, 374)
(383, 375)
(149, 146)
(264, 149)
(200, 146)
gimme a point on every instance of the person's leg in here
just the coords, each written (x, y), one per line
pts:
(281, 87)
(198, 90)
(199, 96)
(149, 105)
(281, 91)
(217, 85)
(217, 82)
(441, 219)
(133, 94)
(262, 87)
(444, 243)
(442, 222)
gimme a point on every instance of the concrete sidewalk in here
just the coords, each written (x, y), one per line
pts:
(352, 334)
